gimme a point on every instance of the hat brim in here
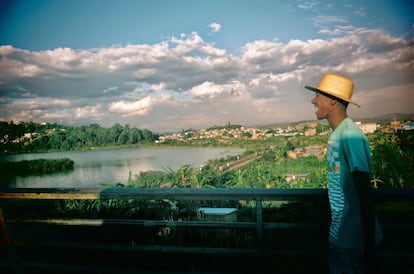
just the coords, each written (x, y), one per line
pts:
(314, 89)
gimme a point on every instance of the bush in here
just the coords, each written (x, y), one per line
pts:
(36, 167)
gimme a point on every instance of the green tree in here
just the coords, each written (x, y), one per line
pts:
(135, 136)
(114, 133)
(148, 136)
(124, 136)
(392, 166)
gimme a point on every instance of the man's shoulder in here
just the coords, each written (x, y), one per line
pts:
(350, 129)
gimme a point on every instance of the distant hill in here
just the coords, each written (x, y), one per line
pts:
(283, 124)
(391, 117)
(379, 118)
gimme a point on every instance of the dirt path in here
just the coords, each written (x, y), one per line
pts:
(240, 162)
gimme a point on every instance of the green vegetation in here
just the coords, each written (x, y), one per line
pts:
(269, 170)
(35, 167)
(260, 173)
(392, 155)
(393, 161)
(392, 166)
(31, 137)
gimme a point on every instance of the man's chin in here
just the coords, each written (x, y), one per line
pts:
(319, 117)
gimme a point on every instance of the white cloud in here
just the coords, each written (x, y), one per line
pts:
(159, 86)
(323, 20)
(110, 89)
(90, 112)
(361, 12)
(209, 90)
(330, 25)
(308, 5)
(187, 81)
(16, 68)
(139, 107)
(215, 27)
(398, 98)
(40, 103)
(144, 73)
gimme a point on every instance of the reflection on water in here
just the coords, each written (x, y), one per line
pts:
(112, 166)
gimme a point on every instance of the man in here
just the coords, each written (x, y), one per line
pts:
(354, 229)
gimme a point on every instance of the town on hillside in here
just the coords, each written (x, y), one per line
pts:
(224, 134)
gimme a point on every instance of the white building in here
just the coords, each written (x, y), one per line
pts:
(367, 127)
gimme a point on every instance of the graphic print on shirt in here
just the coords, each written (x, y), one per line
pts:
(336, 196)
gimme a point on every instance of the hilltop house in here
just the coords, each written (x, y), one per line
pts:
(367, 127)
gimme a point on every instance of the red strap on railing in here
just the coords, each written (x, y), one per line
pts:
(6, 239)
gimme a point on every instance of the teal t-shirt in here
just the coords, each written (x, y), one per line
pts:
(348, 150)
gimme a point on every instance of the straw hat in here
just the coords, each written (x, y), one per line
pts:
(335, 85)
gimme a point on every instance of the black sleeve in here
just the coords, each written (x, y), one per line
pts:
(363, 186)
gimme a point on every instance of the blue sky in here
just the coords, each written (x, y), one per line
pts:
(177, 64)
(48, 24)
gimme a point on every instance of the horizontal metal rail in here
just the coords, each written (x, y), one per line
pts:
(12, 241)
(160, 193)
(187, 193)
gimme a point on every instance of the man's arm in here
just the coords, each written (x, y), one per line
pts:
(363, 186)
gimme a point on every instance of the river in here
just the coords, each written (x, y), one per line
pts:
(94, 167)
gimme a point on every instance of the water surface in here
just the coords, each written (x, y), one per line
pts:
(113, 166)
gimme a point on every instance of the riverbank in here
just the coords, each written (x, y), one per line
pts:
(92, 168)
(36, 167)
(134, 146)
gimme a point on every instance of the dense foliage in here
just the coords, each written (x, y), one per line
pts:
(261, 173)
(392, 157)
(392, 166)
(32, 137)
(393, 160)
(36, 167)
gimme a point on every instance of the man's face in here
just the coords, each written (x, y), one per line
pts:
(323, 105)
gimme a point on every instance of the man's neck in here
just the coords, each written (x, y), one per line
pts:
(335, 121)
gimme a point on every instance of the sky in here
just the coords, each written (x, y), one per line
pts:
(171, 65)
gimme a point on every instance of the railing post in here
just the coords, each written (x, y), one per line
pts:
(259, 234)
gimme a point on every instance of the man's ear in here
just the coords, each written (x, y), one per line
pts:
(333, 101)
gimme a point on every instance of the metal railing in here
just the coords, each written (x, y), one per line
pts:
(13, 243)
